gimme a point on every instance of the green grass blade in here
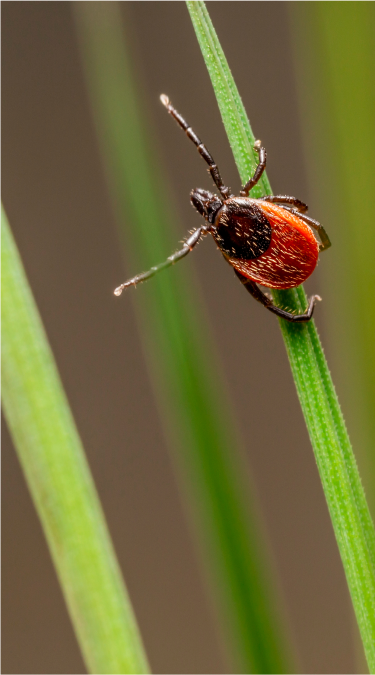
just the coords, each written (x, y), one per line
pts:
(179, 348)
(59, 479)
(336, 463)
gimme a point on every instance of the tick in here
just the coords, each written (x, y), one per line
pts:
(268, 241)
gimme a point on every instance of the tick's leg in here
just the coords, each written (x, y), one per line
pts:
(324, 238)
(258, 171)
(285, 199)
(187, 247)
(267, 302)
(213, 168)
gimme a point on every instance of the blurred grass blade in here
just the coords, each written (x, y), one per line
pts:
(335, 56)
(186, 376)
(60, 482)
(336, 463)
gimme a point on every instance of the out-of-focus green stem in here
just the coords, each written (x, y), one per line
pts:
(195, 409)
(60, 482)
(346, 501)
(335, 56)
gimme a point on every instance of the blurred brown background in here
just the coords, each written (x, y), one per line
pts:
(57, 202)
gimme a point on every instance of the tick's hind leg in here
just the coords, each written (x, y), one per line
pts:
(267, 302)
(175, 257)
(324, 238)
(285, 200)
(299, 209)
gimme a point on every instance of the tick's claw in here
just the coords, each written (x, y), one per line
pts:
(164, 99)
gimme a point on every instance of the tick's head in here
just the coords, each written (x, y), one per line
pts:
(206, 203)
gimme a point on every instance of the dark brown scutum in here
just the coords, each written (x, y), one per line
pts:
(241, 229)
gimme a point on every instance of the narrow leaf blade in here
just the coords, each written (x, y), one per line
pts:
(336, 463)
(181, 356)
(60, 482)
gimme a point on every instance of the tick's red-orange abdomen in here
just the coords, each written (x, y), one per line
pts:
(291, 256)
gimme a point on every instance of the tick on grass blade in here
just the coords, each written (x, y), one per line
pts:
(268, 241)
